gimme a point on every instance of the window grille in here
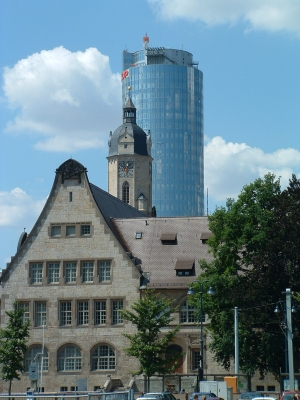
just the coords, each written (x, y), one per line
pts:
(69, 359)
(103, 357)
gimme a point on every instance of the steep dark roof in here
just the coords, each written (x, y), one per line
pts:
(112, 207)
(129, 104)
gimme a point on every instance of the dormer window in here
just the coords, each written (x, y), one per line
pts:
(205, 236)
(185, 267)
(168, 238)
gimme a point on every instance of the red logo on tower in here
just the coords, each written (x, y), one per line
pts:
(125, 74)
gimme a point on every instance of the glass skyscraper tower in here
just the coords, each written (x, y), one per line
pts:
(166, 88)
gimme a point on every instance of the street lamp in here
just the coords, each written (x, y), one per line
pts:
(210, 291)
(289, 309)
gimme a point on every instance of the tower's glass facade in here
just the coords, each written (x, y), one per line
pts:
(167, 89)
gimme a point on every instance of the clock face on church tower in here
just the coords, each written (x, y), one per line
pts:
(126, 169)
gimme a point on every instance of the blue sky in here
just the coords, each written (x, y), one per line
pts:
(60, 93)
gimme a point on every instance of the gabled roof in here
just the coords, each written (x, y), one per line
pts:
(112, 207)
(109, 206)
(158, 259)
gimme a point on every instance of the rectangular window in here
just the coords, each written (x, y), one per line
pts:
(187, 313)
(85, 230)
(70, 272)
(104, 271)
(186, 272)
(83, 313)
(87, 271)
(70, 196)
(195, 359)
(116, 317)
(53, 272)
(260, 388)
(25, 307)
(100, 312)
(55, 230)
(40, 314)
(70, 230)
(36, 272)
(65, 313)
(64, 388)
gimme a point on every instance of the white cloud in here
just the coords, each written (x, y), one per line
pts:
(66, 99)
(270, 15)
(19, 209)
(230, 166)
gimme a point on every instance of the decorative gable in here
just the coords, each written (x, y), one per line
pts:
(71, 169)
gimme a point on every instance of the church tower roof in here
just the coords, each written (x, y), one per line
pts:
(129, 127)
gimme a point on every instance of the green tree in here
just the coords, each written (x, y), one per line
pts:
(149, 345)
(256, 248)
(13, 345)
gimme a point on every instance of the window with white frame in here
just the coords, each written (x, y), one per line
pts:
(65, 313)
(33, 353)
(82, 312)
(87, 271)
(100, 312)
(36, 272)
(40, 313)
(69, 358)
(70, 272)
(103, 357)
(116, 307)
(53, 272)
(187, 313)
(104, 271)
(24, 305)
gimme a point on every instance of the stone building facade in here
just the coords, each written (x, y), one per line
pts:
(91, 254)
(88, 256)
(78, 267)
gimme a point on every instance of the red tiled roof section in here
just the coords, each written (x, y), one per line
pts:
(159, 258)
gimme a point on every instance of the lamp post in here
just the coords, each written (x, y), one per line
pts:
(289, 336)
(192, 292)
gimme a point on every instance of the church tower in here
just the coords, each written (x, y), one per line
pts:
(130, 162)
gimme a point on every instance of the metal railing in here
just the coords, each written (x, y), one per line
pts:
(122, 395)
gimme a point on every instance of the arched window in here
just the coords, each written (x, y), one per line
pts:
(187, 313)
(69, 358)
(125, 192)
(175, 348)
(103, 357)
(34, 355)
